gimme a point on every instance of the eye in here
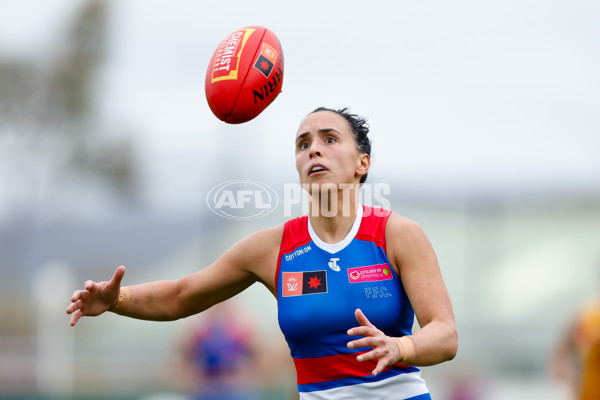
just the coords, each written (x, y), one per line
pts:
(330, 140)
(303, 145)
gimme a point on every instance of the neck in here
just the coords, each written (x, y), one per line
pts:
(332, 213)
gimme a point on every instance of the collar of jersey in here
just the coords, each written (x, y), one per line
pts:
(334, 248)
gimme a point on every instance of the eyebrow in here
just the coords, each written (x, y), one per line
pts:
(323, 130)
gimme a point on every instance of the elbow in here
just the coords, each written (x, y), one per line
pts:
(183, 304)
(452, 344)
(177, 305)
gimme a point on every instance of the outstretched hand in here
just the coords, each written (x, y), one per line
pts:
(96, 298)
(385, 350)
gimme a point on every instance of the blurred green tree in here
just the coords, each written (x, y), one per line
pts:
(49, 128)
(55, 150)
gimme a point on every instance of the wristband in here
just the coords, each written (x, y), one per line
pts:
(407, 350)
(123, 300)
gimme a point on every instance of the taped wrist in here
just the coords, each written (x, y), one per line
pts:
(123, 300)
(407, 350)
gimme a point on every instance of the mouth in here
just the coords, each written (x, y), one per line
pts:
(316, 169)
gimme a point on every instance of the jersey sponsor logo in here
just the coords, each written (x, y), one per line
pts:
(333, 264)
(301, 283)
(370, 273)
(297, 253)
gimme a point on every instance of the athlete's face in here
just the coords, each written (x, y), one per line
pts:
(326, 151)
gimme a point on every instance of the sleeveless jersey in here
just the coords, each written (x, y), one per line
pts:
(319, 286)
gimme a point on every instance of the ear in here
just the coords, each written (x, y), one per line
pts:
(364, 163)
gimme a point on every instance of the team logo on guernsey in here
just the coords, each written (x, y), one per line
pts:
(299, 283)
(370, 273)
(266, 60)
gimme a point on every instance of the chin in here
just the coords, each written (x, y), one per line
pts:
(318, 186)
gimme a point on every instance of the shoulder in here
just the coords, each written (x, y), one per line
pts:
(257, 253)
(400, 226)
(263, 241)
(406, 241)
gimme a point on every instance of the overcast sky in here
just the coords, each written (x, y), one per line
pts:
(462, 97)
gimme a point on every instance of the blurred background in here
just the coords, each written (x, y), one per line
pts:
(485, 124)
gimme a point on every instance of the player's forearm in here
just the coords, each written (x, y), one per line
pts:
(436, 342)
(155, 301)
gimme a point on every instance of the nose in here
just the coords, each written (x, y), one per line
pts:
(315, 151)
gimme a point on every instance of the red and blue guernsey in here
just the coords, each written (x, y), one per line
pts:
(319, 286)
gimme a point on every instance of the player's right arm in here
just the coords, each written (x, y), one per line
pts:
(252, 259)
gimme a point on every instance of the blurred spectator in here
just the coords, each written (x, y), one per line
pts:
(466, 382)
(220, 356)
(577, 358)
(463, 389)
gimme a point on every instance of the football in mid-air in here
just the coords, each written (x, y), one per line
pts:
(245, 74)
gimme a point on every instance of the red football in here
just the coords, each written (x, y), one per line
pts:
(245, 74)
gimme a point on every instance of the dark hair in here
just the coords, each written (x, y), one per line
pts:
(359, 128)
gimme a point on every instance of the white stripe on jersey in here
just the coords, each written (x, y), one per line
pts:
(403, 386)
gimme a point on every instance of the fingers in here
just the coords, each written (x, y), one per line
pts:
(381, 356)
(366, 328)
(380, 367)
(362, 318)
(75, 310)
(373, 338)
(372, 342)
(91, 300)
(79, 295)
(75, 317)
(115, 281)
(76, 305)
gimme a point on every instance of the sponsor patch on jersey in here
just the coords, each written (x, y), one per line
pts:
(297, 253)
(370, 273)
(300, 283)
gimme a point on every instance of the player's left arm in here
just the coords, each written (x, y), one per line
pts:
(415, 260)
(412, 256)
